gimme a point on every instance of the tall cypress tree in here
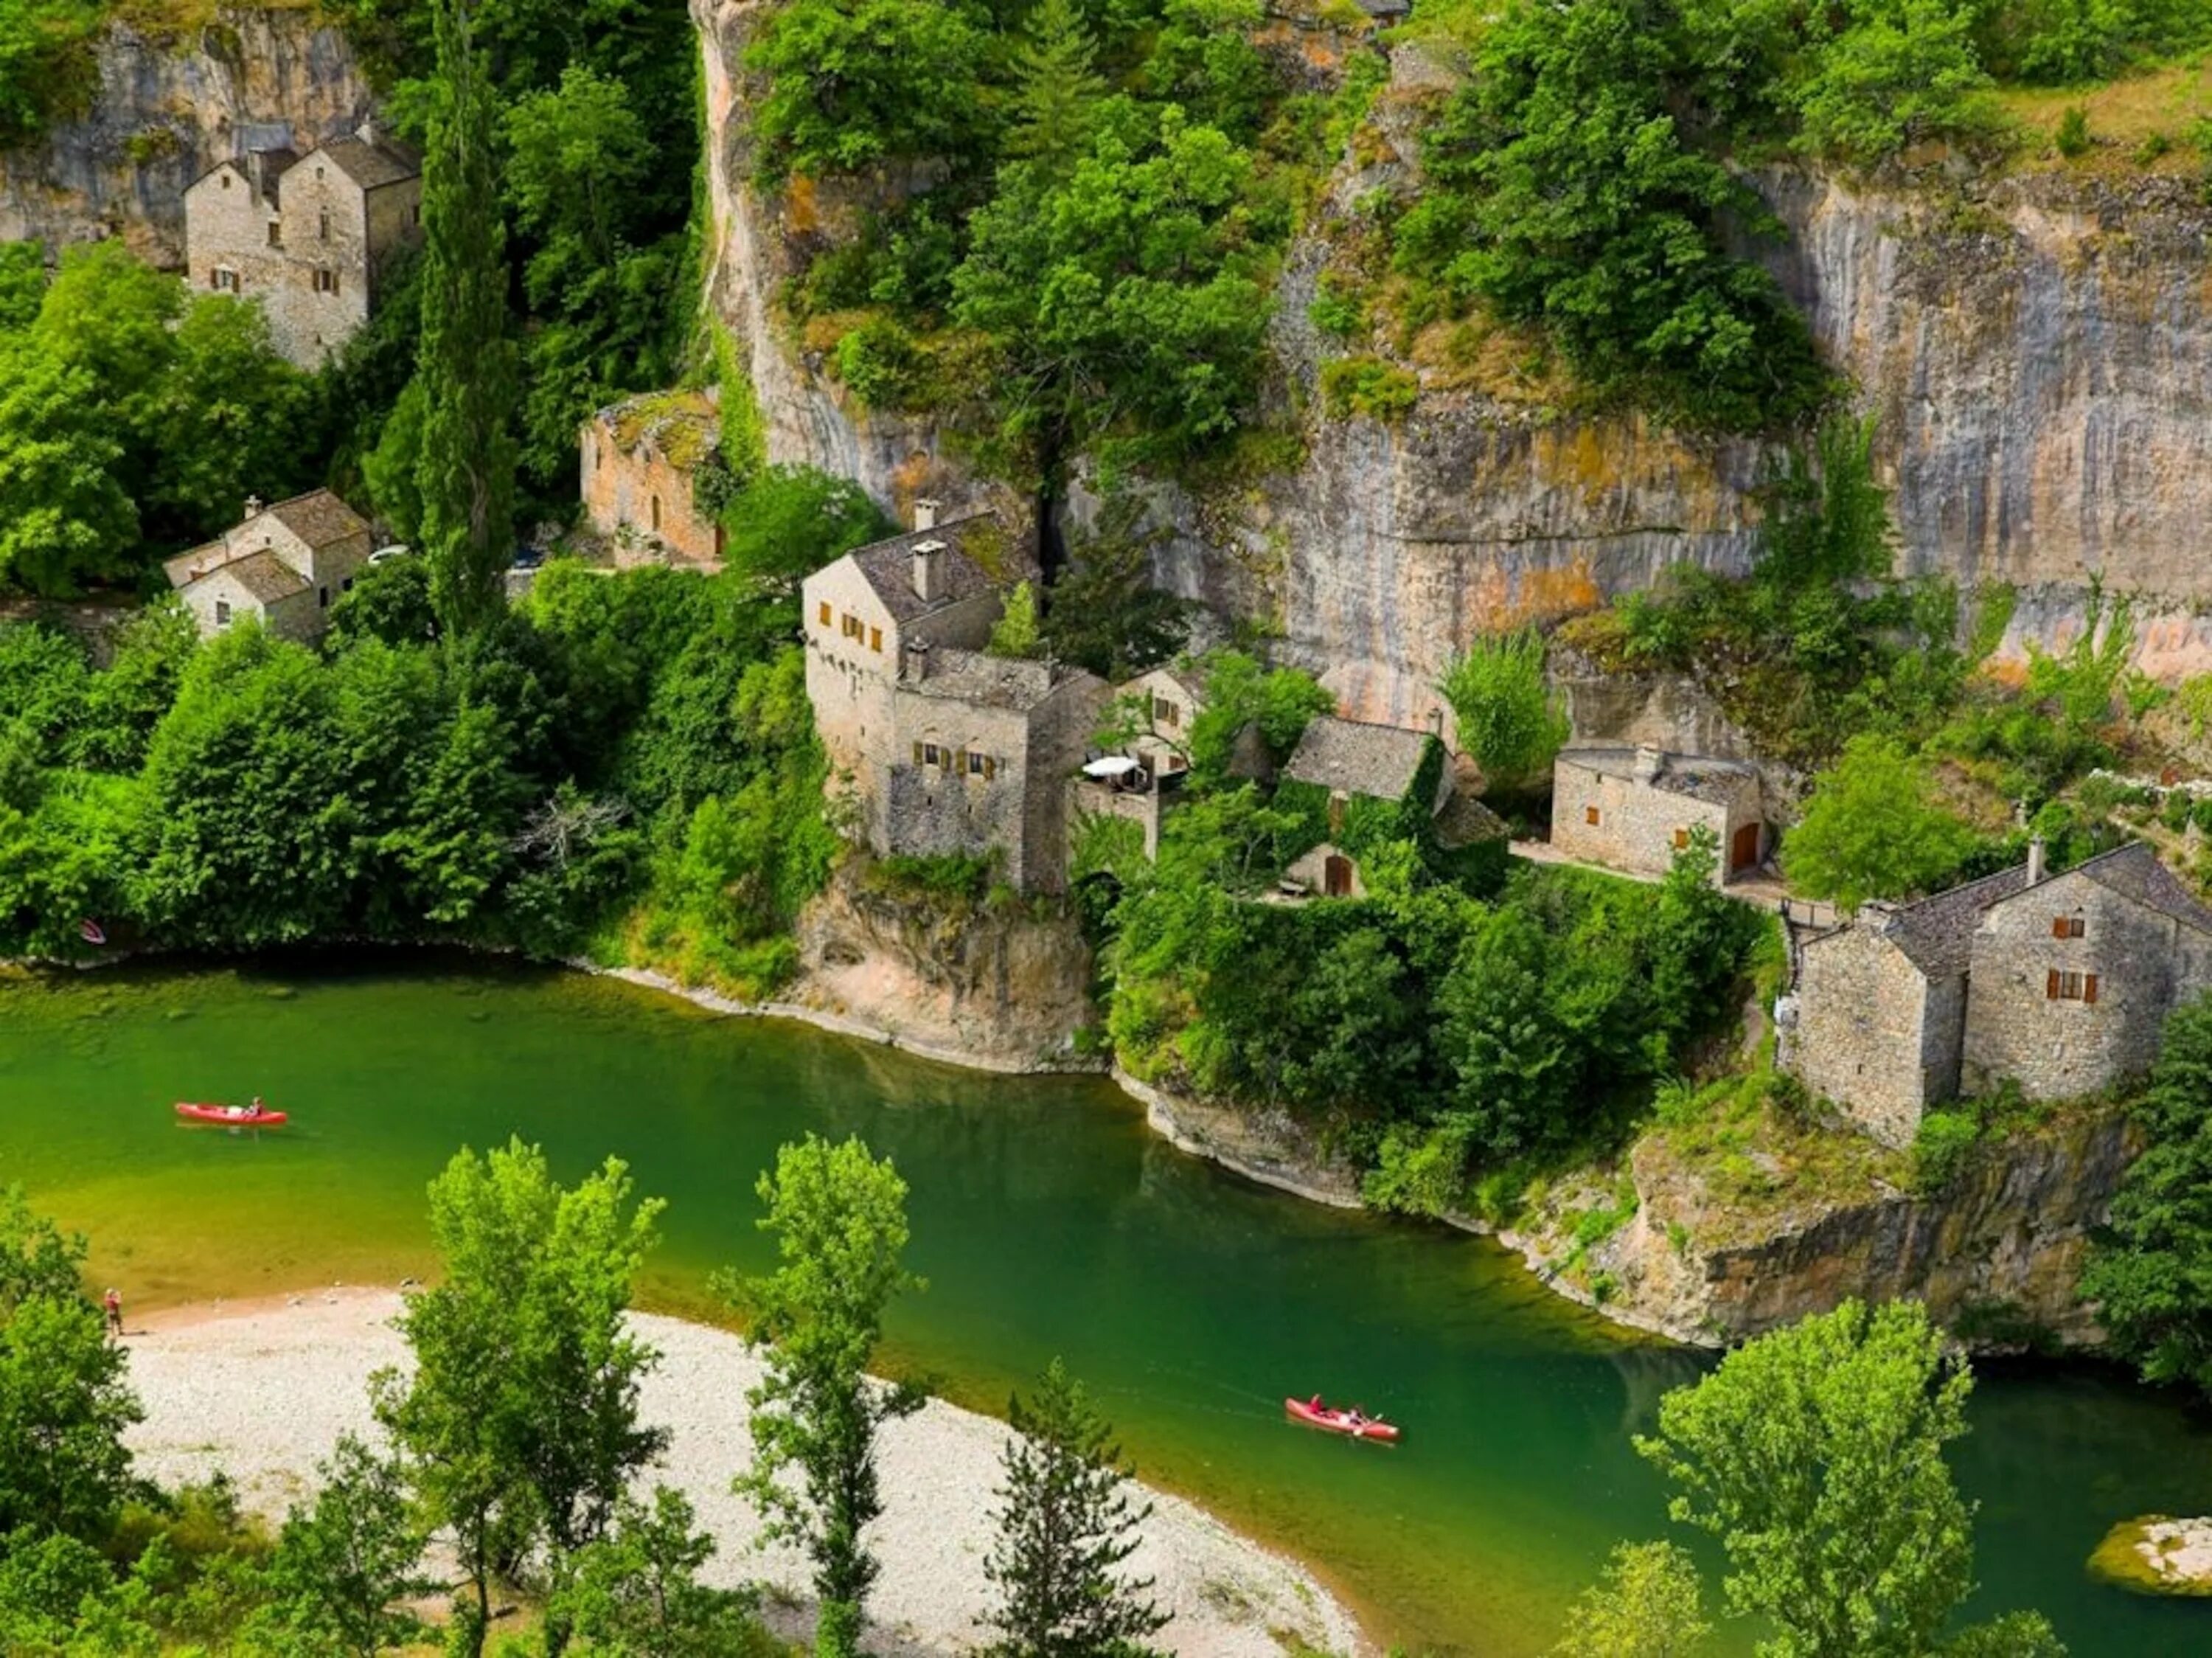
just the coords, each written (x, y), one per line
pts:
(1068, 1526)
(467, 364)
(1057, 90)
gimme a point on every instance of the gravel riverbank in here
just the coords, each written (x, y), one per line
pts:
(263, 1390)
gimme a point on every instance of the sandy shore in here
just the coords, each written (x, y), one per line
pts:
(263, 1390)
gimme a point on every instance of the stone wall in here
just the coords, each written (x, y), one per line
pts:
(1864, 1029)
(2062, 1047)
(1637, 823)
(169, 108)
(948, 806)
(641, 502)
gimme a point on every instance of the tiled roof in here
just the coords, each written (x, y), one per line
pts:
(371, 166)
(1936, 934)
(188, 567)
(2134, 872)
(889, 567)
(986, 681)
(1700, 777)
(1385, 9)
(1381, 761)
(1465, 821)
(318, 518)
(266, 576)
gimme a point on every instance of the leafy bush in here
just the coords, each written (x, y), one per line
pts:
(2072, 134)
(1941, 1147)
(1368, 386)
(1509, 719)
(1871, 829)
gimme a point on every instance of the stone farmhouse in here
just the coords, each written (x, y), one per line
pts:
(638, 459)
(947, 750)
(283, 565)
(1632, 809)
(2060, 984)
(1351, 769)
(309, 237)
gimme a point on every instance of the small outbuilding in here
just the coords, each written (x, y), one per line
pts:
(284, 566)
(641, 461)
(1357, 786)
(1632, 809)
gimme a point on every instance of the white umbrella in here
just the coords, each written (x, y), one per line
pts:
(1112, 766)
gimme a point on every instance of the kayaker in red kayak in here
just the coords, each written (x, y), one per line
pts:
(1354, 1424)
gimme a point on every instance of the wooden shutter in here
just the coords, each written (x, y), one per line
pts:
(2089, 988)
(825, 613)
(917, 760)
(960, 762)
(990, 768)
(875, 638)
(2050, 986)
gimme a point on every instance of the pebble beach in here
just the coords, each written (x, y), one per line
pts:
(262, 1391)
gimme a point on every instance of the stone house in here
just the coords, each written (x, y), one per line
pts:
(1151, 716)
(638, 459)
(2061, 983)
(1360, 784)
(945, 750)
(1632, 809)
(311, 238)
(284, 565)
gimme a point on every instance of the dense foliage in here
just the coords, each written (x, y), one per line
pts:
(1509, 720)
(626, 763)
(1816, 1456)
(2152, 1277)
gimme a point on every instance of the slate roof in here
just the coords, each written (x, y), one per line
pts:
(188, 567)
(1380, 761)
(1698, 776)
(2134, 872)
(1385, 10)
(889, 567)
(1466, 821)
(1936, 934)
(982, 680)
(370, 165)
(266, 576)
(318, 518)
(275, 161)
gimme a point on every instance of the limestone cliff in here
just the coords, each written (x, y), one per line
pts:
(2037, 348)
(1996, 1256)
(1005, 986)
(170, 107)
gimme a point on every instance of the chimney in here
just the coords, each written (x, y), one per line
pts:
(929, 570)
(1436, 723)
(253, 505)
(2035, 861)
(924, 512)
(917, 660)
(367, 132)
(1649, 763)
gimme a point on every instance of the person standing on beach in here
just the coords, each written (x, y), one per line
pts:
(112, 1301)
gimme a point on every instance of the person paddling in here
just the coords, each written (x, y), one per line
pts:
(112, 1302)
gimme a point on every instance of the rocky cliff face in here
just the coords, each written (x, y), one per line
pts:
(167, 110)
(2038, 351)
(1005, 987)
(1996, 1257)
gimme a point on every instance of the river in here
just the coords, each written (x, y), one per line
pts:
(1047, 1220)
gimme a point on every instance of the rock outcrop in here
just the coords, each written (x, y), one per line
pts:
(169, 108)
(1995, 1257)
(1005, 986)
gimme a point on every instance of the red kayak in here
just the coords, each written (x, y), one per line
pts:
(1350, 1423)
(230, 1116)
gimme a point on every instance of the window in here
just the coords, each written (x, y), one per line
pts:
(853, 627)
(223, 279)
(1681, 840)
(346, 586)
(223, 613)
(323, 597)
(1590, 816)
(875, 634)
(977, 765)
(323, 224)
(656, 512)
(225, 181)
(1165, 712)
(933, 754)
(822, 612)
(276, 233)
(2066, 927)
(327, 280)
(418, 212)
(2070, 987)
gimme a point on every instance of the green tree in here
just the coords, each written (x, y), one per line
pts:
(1240, 692)
(1065, 1526)
(1106, 614)
(1815, 1456)
(1648, 1605)
(232, 418)
(345, 1562)
(791, 520)
(49, 64)
(519, 1424)
(1509, 719)
(856, 83)
(1896, 73)
(1872, 829)
(1016, 632)
(1057, 89)
(838, 1219)
(636, 1593)
(65, 1401)
(2152, 1280)
(466, 366)
(63, 517)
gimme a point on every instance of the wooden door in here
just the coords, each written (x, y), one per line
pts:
(1336, 875)
(1743, 851)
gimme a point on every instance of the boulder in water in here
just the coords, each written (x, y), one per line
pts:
(2157, 1554)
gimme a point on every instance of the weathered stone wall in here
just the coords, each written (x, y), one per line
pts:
(2056, 1047)
(1864, 1031)
(948, 806)
(167, 110)
(640, 501)
(1637, 823)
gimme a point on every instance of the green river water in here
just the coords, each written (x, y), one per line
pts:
(1047, 1222)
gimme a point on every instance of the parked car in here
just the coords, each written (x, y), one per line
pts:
(527, 558)
(385, 555)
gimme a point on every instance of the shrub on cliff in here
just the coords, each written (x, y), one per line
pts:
(1872, 829)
